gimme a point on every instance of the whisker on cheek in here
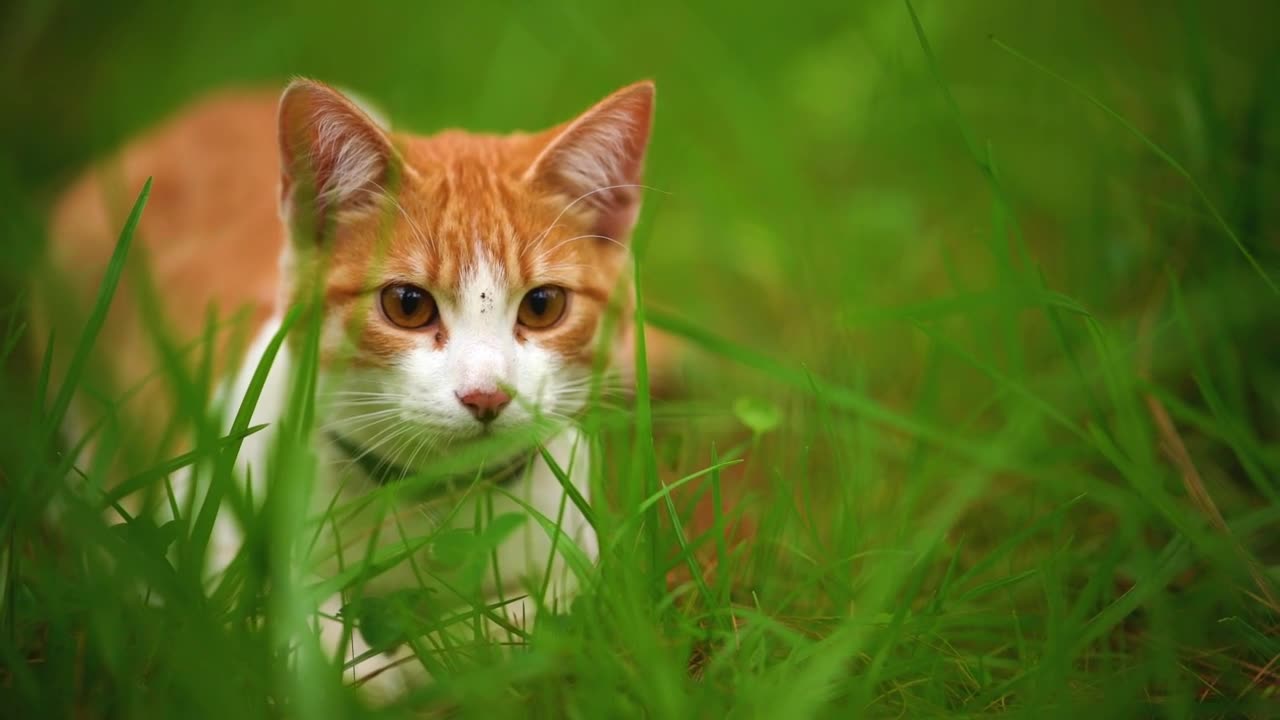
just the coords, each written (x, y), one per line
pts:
(391, 459)
(358, 393)
(337, 407)
(384, 436)
(376, 426)
(338, 414)
(366, 404)
(409, 467)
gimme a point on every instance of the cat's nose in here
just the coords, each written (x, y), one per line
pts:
(484, 404)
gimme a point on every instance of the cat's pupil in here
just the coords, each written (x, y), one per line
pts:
(409, 301)
(538, 300)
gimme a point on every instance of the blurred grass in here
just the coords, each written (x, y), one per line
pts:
(939, 294)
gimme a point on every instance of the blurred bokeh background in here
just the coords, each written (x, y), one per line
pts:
(811, 170)
(982, 258)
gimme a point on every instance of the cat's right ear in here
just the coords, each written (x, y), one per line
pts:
(335, 160)
(597, 160)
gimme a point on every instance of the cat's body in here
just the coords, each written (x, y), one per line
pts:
(462, 279)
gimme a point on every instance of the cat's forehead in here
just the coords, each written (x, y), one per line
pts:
(463, 215)
(456, 230)
(467, 162)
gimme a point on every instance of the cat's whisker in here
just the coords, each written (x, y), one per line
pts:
(382, 388)
(339, 400)
(408, 468)
(607, 376)
(566, 241)
(541, 261)
(388, 460)
(585, 195)
(391, 460)
(413, 225)
(346, 422)
(383, 437)
(357, 393)
(428, 443)
(585, 391)
(368, 404)
(549, 268)
(353, 413)
(339, 407)
(532, 244)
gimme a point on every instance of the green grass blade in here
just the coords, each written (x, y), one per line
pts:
(1160, 152)
(98, 316)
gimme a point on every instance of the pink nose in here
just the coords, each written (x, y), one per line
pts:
(485, 404)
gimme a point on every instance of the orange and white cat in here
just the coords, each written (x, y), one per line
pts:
(463, 281)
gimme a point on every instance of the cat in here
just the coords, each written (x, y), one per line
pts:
(463, 281)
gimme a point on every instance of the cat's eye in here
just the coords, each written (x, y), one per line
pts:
(542, 307)
(408, 306)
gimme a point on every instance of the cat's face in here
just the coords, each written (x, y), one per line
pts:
(464, 278)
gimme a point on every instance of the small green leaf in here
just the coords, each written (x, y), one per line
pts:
(453, 548)
(466, 553)
(389, 620)
(760, 416)
(379, 624)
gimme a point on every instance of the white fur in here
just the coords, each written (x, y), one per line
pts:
(418, 416)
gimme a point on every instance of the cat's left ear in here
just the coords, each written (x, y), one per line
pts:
(597, 160)
(336, 160)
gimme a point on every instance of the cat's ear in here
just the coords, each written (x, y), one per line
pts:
(597, 160)
(335, 159)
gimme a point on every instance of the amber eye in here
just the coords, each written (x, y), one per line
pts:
(542, 307)
(408, 306)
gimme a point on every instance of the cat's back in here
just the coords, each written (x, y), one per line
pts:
(209, 237)
(210, 227)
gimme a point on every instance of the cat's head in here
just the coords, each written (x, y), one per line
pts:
(463, 277)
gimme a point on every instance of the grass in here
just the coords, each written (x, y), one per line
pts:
(979, 410)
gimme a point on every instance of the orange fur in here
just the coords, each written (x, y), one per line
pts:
(211, 235)
(209, 238)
